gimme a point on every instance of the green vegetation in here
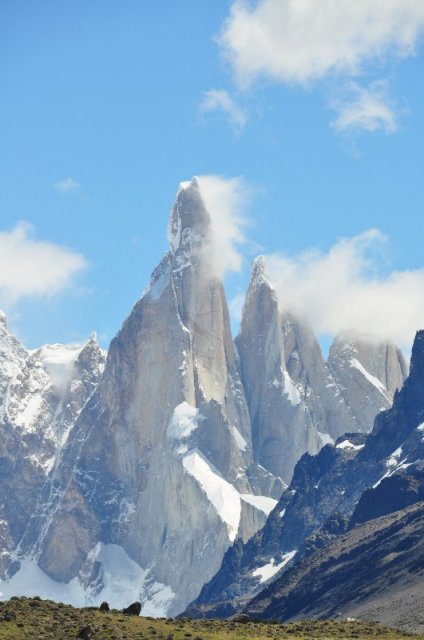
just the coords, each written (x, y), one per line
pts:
(35, 619)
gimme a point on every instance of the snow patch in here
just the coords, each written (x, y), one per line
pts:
(393, 459)
(393, 465)
(184, 421)
(290, 390)
(263, 503)
(123, 581)
(240, 441)
(372, 379)
(31, 581)
(267, 571)
(26, 417)
(222, 495)
(346, 444)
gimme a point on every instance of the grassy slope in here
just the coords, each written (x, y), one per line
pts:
(34, 619)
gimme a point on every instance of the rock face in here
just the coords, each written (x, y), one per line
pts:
(131, 485)
(158, 470)
(340, 484)
(298, 402)
(41, 395)
(282, 425)
(368, 375)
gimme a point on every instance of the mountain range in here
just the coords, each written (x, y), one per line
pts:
(186, 462)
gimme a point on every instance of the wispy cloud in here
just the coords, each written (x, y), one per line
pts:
(226, 200)
(34, 268)
(220, 100)
(347, 289)
(365, 108)
(306, 41)
(66, 186)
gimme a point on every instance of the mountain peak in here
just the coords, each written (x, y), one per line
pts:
(189, 222)
(417, 357)
(257, 274)
(93, 338)
(258, 267)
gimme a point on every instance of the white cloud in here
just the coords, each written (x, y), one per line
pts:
(225, 199)
(301, 41)
(344, 289)
(34, 268)
(367, 109)
(220, 100)
(69, 185)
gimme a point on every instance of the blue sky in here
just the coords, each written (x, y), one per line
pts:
(107, 106)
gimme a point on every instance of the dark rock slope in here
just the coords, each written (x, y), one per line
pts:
(375, 571)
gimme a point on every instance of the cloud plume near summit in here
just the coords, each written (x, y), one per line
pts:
(225, 199)
(344, 289)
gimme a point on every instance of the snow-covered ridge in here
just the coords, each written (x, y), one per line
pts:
(42, 390)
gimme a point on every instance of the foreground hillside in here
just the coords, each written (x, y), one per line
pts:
(29, 618)
(375, 571)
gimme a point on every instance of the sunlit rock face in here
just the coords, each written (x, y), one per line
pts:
(297, 401)
(160, 463)
(368, 374)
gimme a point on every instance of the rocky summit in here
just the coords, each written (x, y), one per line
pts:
(133, 483)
